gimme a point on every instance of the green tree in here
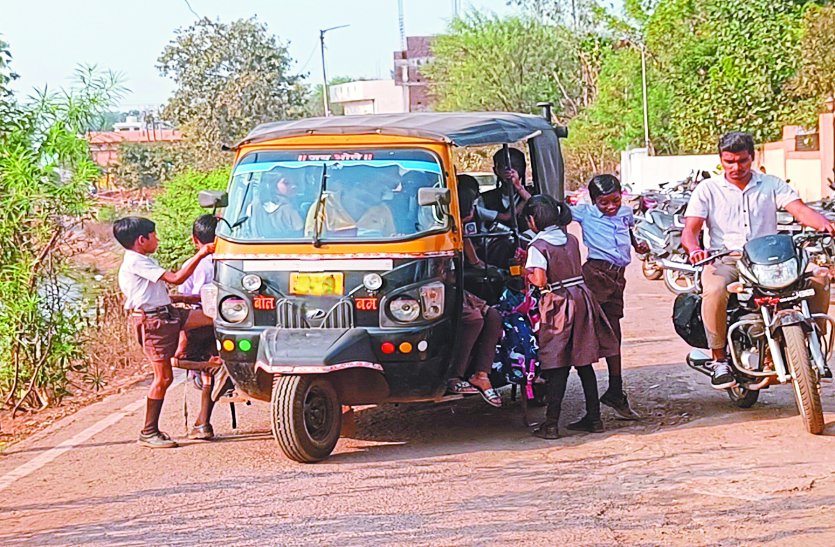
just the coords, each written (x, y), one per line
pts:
(45, 171)
(815, 78)
(488, 63)
(6, 78)
(727, 63)
(147, 165)
(229, 77)
(176, 209)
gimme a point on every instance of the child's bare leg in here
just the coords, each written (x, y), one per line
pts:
(163, 377)
(204, 417)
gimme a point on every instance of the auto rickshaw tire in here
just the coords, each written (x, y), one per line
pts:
(306, 417)
(804, 380)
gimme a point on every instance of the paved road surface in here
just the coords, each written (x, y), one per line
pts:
(695, 471)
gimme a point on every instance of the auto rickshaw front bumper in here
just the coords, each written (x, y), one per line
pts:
(314, 351)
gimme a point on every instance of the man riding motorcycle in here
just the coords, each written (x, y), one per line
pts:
(737, 206)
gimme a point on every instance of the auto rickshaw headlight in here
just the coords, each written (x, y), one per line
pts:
(208, 298)
(251, 282)
(404, 309)
(432, 298)
(234, 309)
(372, 281)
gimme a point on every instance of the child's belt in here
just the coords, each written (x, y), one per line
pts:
(152, 312)
(562, 284)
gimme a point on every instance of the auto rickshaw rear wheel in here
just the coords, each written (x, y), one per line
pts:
(306, 417)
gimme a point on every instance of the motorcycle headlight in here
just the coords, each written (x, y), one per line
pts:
(776, 276)
(432, 299)
(234, 309)
(404, 309)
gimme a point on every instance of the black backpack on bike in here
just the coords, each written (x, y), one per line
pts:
(687, 319)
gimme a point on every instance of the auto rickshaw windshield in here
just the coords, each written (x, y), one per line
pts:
(358, 195)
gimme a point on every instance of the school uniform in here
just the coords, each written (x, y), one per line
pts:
(154, 320)
(481, 330)
(609, 241)
(573, 330)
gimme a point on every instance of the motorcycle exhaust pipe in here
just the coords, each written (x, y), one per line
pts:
(676, 266)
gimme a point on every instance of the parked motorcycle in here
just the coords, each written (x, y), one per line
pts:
(773, 338)
(662, 232)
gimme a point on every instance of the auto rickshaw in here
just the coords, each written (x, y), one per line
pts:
(339, 269)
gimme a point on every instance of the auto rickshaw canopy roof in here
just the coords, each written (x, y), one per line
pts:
(457, 128)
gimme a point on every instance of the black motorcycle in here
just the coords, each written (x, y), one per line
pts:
(773, 338)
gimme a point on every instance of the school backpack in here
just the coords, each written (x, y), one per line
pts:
(687, 319)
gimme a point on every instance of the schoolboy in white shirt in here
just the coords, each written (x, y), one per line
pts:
(156, 322)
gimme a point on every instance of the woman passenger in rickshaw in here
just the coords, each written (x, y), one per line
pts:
(481, 328)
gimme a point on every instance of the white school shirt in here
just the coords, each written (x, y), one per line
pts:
(141, 283)
(203, 275)
(733, 216)
(552, 235)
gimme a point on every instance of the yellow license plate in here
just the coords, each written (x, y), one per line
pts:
(317, 284)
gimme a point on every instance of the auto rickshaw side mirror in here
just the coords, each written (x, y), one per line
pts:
(213, 199)
(433, 196)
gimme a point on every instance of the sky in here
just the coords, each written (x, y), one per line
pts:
(50, 38)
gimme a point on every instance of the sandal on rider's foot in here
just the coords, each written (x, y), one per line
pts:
(459, 386)
(156, 439)
(201, 433)
(547, 431)
(490, 396)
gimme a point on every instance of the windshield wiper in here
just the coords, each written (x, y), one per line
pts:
(241, 217)
(317, 222)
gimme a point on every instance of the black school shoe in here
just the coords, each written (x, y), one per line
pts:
(547, 431)
(590, 425)
(156, 440)
(620, 404)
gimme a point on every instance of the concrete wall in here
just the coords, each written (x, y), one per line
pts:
(642, 171)
(806, 171)
(369, 97)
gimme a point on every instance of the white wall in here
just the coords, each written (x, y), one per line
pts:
(370, 97)
(642, 171)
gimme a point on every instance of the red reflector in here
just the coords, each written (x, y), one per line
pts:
(387, 348)
(366, 303)
(262, 302)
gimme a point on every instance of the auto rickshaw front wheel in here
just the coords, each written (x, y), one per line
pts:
(306, 417)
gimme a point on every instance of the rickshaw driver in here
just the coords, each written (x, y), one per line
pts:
(276, 209)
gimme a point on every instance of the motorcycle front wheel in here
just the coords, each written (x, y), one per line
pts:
(805, 381)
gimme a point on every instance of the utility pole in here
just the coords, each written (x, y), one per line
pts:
(644, 84)
(325, 97)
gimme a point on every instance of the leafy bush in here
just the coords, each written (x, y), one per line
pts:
(177, 208)
(147, 165)
(45, 171)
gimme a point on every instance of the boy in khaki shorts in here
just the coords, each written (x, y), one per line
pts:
(156, 322)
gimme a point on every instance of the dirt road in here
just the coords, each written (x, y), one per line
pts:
(695, 471)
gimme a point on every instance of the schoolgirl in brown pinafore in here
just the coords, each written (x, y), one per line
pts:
(573, 330)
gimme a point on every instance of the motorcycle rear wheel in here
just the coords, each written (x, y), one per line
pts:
(805, 381)
(651, 270)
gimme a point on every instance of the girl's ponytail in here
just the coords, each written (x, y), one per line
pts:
(547, 211)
